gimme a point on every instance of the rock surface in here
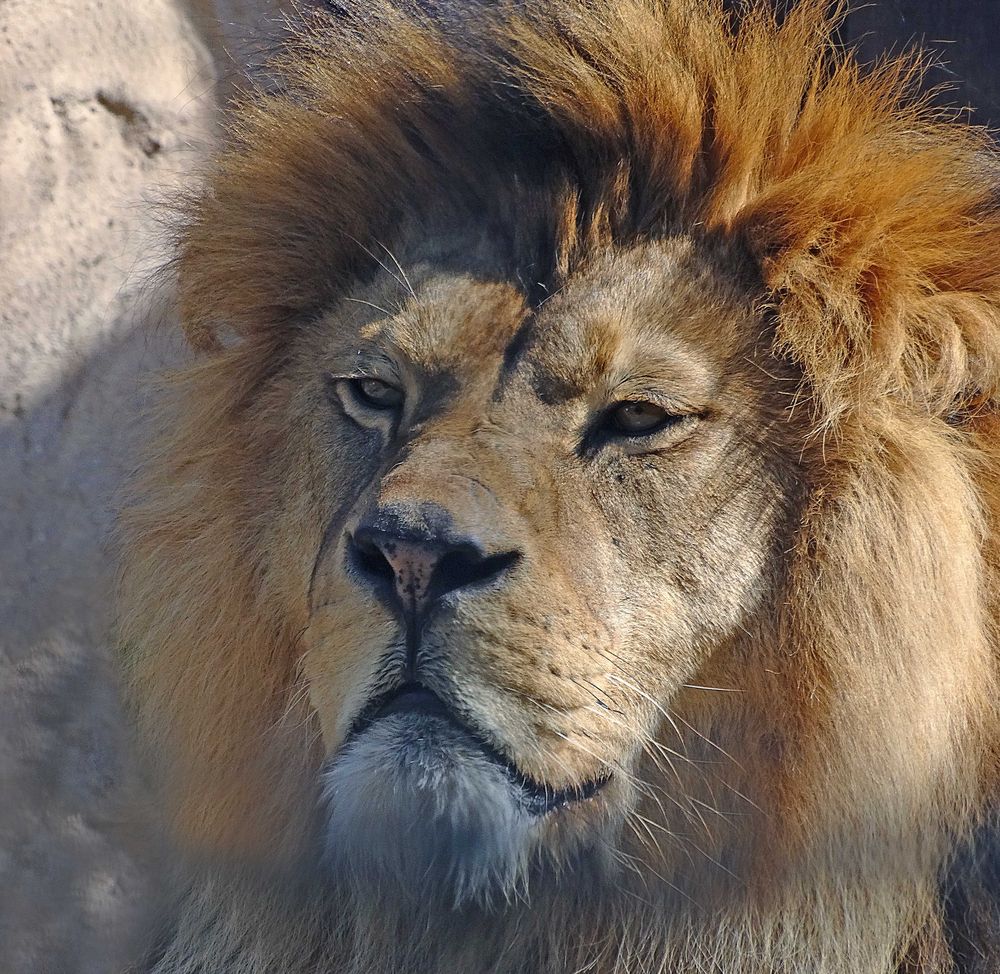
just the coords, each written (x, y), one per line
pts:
(104, 106)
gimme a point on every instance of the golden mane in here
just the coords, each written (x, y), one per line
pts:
(870, 226)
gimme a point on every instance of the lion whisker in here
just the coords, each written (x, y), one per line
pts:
(370, 304)
(650, 869)
(399, 266)
(667, 716)
(710, 742)
(381, 264)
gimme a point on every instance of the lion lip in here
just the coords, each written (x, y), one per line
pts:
(413, 699)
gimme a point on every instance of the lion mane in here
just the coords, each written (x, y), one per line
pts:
(864, 721)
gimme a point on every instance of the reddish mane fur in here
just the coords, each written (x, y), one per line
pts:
(873, 219)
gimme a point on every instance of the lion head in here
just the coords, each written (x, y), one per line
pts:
(572, 544)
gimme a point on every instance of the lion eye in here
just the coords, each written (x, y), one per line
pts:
(377, 394)
(635, 417)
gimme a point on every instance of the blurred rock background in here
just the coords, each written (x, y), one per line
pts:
(105, 107)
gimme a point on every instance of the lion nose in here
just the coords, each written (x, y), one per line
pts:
(420, 565)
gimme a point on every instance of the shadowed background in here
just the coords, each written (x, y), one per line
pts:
(105, 106)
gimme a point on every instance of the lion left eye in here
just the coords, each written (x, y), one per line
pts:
(636, 417)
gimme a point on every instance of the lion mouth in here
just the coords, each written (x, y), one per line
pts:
(415, 700)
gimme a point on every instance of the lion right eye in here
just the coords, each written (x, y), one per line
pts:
(376, 393)
(636, 417)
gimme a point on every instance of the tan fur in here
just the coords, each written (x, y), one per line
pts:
(776, 632)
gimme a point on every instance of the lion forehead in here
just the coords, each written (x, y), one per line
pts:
(659, 311)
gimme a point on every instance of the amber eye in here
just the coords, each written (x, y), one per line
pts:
(377, 394)
(636, 417)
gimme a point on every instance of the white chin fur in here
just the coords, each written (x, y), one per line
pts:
(416, 809)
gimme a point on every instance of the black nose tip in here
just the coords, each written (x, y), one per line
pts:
(421, 566)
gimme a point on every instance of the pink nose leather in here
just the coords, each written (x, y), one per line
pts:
(413, 566)
(416, 559)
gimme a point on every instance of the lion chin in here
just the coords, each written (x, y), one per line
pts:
(416, 805)
(419, 803)
(574, 543)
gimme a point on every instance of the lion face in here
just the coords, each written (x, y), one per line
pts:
(546, 523)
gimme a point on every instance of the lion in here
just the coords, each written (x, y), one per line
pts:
(573, 543)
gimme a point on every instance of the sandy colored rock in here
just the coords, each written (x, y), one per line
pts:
(102, 106)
